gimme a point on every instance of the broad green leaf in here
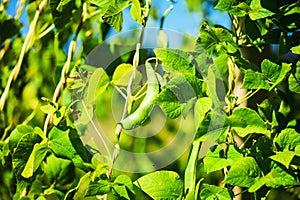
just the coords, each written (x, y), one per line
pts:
(23, 151)
(233, 154)
(281, 176)
(225, 5)
(221, 63)
(99, 187)
(212, 192)
(122, 185)
(175, 60)
(284, 157)
(212, 128)
(243, 173)
(276, 178)
(136, 11)
(185, 87)
(246, 121)
(294, 80)
(215, 160)
(169, 103)
(113, 15)
(161, 185)
(287, 139)
(97, 84)
(240, 10)
(59, 170)
(80, 189)
(216, 40)
(48, 109)
(296, 50)
(61, 145)
(179, 95)
(35, 159)
(255, 80)
(202, 106)
(122, 74)
(274, 73)
(257, 11)
(17, 134)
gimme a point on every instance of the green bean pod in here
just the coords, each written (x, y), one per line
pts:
(144, 110)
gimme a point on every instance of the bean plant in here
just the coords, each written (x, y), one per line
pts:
(235, 91)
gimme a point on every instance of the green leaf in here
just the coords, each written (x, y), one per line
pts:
(123, 184)
(80, 189)
(113, 15)
(179, 95)
(257, 11)
(35, 159)
(221, 63)
(58, 115)
(243, 173)
(212, 192)
(215, 160)
(60, 143)
(161, 185)
(98, 83)
(122, 74)
(49, 109)
(99, 187)
(136, 11)
(18, 133)
(246, 121)
(255, 80)
(175, 60)
(225, 5)
(169, 103)
(287, 139)
(202, 106)
(216, 40)
(233, 154)
(276, 178)
(296, 50)
(284, 157)
(23, 152)
(294, 80)
(275, 73)
(212, 128)
(59, 170)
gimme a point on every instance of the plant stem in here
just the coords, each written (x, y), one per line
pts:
(135, 63)
(26, 46)
(65, 69)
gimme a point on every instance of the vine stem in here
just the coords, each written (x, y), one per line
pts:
(135, 63)
(21, 5)
(26, 46)
(65, 69)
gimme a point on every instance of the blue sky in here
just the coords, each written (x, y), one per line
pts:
(179, 19)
